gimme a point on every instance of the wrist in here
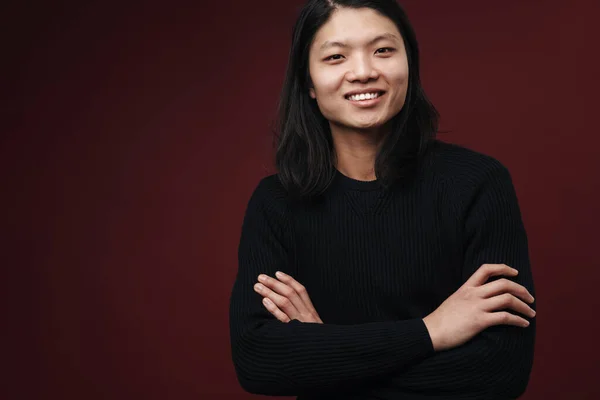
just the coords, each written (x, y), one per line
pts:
(433, 335)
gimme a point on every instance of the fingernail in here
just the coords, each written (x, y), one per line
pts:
(267, 301)
(262, 278)
(258, 287)
(279, 274)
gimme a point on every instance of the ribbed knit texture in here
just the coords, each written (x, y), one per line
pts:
(375, 263)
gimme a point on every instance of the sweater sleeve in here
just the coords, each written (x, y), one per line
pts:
(295, 358)
(496, 363)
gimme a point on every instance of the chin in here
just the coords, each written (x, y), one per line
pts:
(373, 124)
(366, 127)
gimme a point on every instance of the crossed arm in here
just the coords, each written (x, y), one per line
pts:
(293, 358)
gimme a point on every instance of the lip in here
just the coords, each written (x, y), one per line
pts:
(361, 91)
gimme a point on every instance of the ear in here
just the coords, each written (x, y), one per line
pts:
(312, 93)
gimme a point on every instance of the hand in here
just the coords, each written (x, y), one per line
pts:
(286, 299)
(474, 307)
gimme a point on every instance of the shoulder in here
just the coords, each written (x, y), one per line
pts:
(465, 168)
(269, 196)
(270, 188)
(267, 211)
(470, 177)
(455, 158)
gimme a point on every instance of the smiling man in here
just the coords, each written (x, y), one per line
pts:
(405, 259)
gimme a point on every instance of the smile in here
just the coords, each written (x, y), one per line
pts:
(364, 96)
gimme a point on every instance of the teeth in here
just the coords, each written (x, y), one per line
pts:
(363, 96)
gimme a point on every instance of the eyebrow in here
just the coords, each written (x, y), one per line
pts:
(328, 44)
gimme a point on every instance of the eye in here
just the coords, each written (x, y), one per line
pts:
(389, 49)
(332, 57)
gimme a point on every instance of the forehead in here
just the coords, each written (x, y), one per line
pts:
(354, 27)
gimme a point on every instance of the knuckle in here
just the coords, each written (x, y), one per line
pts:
(479, 320)
(301, 289)
(495, 269)
(469, 293)
(509, 285)
(522, 288)
(285, 302)
(505, 283)
(506, 299)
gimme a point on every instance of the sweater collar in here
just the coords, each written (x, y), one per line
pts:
(354, 184)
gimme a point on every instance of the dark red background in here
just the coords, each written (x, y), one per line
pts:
(133, 135)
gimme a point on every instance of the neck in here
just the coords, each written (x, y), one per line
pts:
(356, 151)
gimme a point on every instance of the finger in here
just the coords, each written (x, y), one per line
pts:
(280, 301)
(488, 270)
(504, 285)
(273, 309)
(283, 290)
(508, 301)
(297, 286)
(506, 318)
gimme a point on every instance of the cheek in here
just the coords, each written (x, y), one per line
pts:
(328, 95)
(399, 79)
(327, 81)
(399, 75)
(328, 87)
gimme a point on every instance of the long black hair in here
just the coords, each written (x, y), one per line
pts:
(304, 157)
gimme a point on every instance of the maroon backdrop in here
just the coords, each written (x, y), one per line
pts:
(132, 137)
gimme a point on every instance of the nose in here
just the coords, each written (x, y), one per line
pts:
(362, 70)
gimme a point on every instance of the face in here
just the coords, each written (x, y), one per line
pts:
(358, 50)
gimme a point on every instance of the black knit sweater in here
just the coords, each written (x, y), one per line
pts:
(374, 263)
